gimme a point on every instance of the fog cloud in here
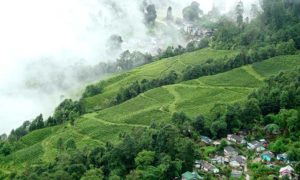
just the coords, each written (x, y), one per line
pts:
(44, 44)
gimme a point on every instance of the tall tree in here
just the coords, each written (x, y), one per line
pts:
(239, 10)
(150, 14)
(170, 14)
(192, 13)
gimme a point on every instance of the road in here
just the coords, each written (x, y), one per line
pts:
(246, 172)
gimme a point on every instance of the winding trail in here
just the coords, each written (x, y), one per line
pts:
(180, 62)
(176, 95)
(93, 117)
(147, 97)
(211, 86)
(246, 172)
(249, 69)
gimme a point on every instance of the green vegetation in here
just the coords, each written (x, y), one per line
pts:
(194, 97)
(145, 123)
(151, 71)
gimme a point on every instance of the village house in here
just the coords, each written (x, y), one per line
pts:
(236, 174)
(286, 171)
(267, 156)
(230, 151)
(206, 139)
(216, 143)
(198, 164)
(238, 161)
(258, 146)
(206, 166)
(219, 160)
(236, 139)
(192, 30)
(190, 176)
(234, 164)
(282, 157)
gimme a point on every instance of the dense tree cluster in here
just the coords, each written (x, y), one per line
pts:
(191, 46)
(158, 152)
(192, 13)
(68, 110)
(278, 21)
(280, 92)
(129, 60)
(150, 14)
(92, 90)
(115, 42)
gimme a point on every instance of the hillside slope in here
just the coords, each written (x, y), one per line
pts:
(193, 97)
(151, 71)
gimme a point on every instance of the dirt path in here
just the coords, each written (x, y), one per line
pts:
(246, 172)
(93, 116)
(176, 95)
(211, 86)
(253, 73)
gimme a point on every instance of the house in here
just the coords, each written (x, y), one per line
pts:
(236, 139)
(193, 30)
(206, 139)
(234, 164)
(216, 143)
(267, 156)
(219, 160)
(241, 160)
(208, 33)
(230, 151)
(282, 157)
(198, 164)
(190, 176)
(206, 166)
(264, 142)
(286, 171)
(256, 145)
(236, 174)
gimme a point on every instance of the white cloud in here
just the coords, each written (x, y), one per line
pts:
(43, 39)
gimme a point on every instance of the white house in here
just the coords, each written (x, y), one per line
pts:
(286, 171)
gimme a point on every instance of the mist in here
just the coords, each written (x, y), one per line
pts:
(45, 45)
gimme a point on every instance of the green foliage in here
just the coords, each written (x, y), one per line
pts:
(5, 148)
(60, 144)
(68, 110)
(261, 170)
(70, 144)
(137, 88)
(272, 95)
(286, 48)
(129, 60)
(294, 154)
(279, 146)
(37, 123)
(144, 159)
(93, 174)
(92, 90)
(251, 112)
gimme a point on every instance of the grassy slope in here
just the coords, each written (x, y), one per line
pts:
(194, 97)
(151, 71)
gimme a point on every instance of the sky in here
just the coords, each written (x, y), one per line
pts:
(43, 41)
